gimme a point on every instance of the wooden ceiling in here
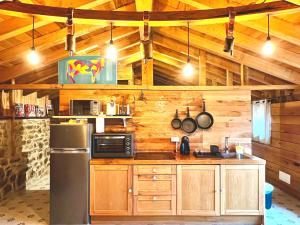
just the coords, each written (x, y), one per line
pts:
(169, 45)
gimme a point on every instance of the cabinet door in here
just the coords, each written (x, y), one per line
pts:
(111, 190)
(198, 190)
(242, 189)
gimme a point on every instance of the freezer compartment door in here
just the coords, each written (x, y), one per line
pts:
(69, 182)
(70, 135)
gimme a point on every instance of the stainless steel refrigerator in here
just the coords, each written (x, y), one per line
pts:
(69, 173)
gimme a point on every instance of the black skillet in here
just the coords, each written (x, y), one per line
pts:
(204, 119)
(188, 125)
(176, 122)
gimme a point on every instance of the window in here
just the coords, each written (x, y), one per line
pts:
(261, 121)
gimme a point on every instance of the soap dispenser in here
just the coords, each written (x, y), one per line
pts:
(185, 146)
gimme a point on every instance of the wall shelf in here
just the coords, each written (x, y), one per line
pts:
(98, 118)
(92, 117)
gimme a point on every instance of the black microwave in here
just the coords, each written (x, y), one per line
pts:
(113, 145)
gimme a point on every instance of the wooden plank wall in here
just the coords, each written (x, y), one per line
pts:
(153, 114)
(284, 151)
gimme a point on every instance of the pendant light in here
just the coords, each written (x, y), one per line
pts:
(111, 51)
(33, 57)
(188, 69)
(268, 47)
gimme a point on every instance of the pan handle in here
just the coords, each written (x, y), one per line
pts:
(188, 112)
(203, 103)
(176, 114)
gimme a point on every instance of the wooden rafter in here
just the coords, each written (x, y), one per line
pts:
(16, 26)
(49, 40)
(140, 87)
(280, 28)
(178, 51)
(176, 18)
(55, 55)
(239, 56)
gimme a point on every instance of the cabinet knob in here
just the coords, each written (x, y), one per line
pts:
(154, 170)
(154, 198)
(154, 178)
(130, 190)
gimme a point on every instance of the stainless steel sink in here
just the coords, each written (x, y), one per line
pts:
(229, 155)
(233, 155)
(155, 156)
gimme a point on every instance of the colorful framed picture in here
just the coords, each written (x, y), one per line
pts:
(87, 70)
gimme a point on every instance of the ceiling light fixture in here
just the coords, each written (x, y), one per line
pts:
(111, 51)
(33, 57)
(268, 47)
(188, 69)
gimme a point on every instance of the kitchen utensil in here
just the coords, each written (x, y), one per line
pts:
(188, 125)
(229, 40)
(204, 119)
(176, 122)
(185, 146)
(111, 108)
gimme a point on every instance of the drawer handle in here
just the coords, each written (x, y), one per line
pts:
(130, 190)
(154, 178)
(154, 170)
(154, 198)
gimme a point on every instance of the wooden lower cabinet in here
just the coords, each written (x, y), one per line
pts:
(198, 190)
(111, 190)
(154, 190)
(184, 190)
(242, 189)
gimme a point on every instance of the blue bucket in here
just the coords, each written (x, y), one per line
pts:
(268, 195)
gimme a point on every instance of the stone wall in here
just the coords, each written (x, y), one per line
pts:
(24, 152)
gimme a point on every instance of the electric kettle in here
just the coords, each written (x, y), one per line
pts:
(185, 146)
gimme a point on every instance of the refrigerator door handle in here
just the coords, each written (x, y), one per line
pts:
(69, 150)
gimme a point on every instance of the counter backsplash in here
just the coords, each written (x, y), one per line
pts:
(153, 111)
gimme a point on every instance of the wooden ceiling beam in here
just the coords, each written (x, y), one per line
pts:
(239, 56)
(16, 26)
(251, 44)
(280, 28)
(141, 87)
(81, 16)
(219, 61)
(48, 40)
(55, 55)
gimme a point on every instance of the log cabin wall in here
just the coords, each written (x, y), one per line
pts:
(152, 115)
(283, 154)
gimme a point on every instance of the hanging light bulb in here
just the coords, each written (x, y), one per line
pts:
(268, 47)
(111, 51)
(188, 69)
(33, 57)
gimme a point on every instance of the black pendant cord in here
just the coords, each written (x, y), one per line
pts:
(33, 46)
(111, 28)
(188, 59)
(268, 27)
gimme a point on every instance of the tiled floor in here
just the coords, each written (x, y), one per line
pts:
(32, 207)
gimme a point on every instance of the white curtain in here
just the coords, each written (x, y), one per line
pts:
(261, 121)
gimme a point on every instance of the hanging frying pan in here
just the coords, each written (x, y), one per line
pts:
(188, 125)
(176, 122)
(204, 119)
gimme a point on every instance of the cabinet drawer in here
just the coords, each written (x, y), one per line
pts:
(154, 184)
(154, 169)
(155, 205)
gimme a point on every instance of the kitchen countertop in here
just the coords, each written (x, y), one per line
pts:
(180, 160)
